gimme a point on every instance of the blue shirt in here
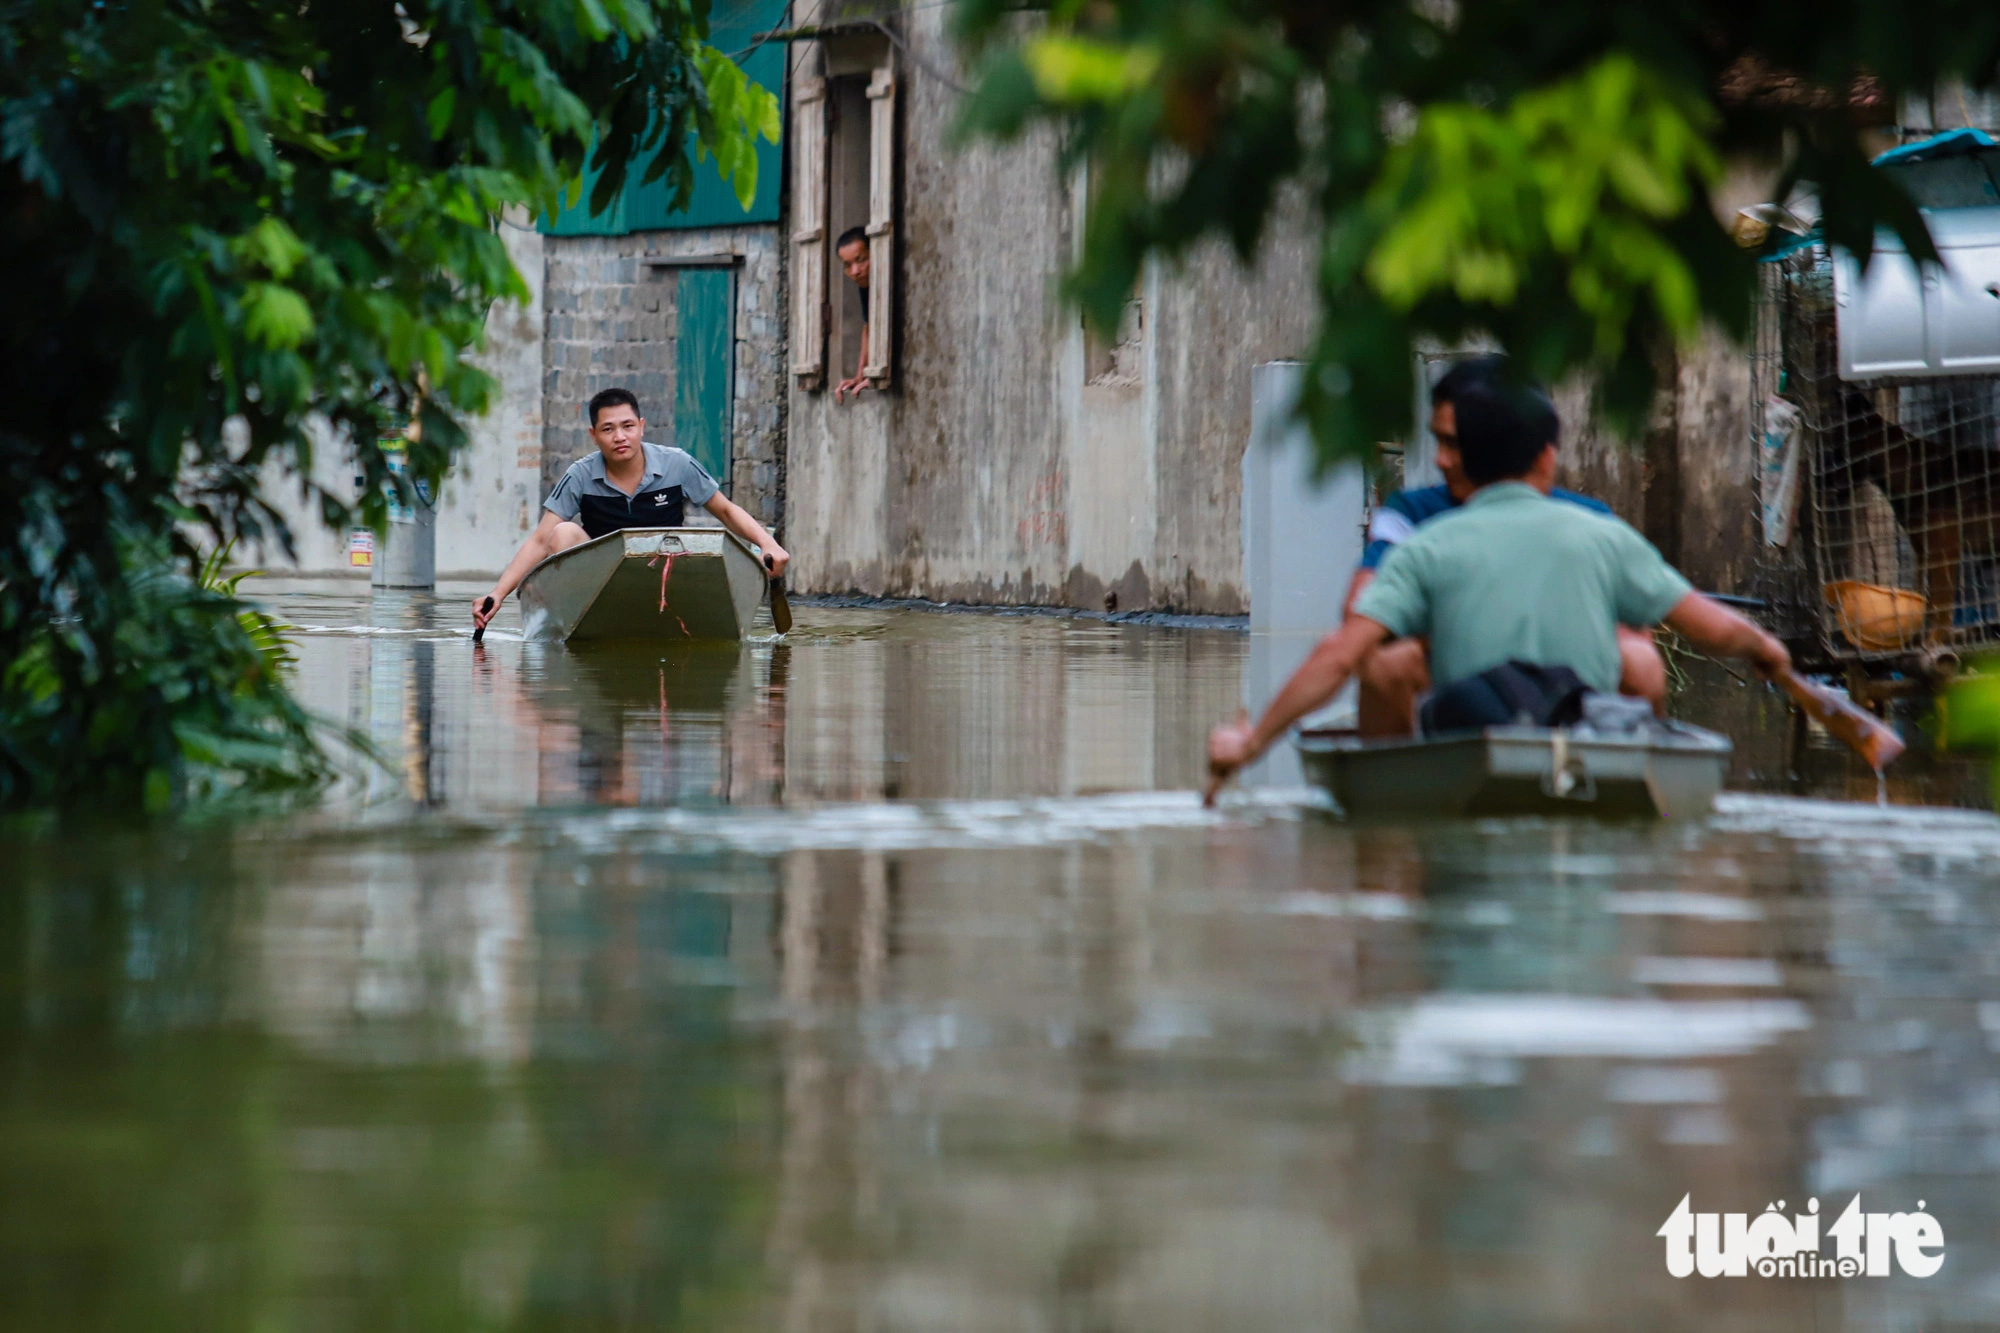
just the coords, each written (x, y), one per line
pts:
(1402, 512)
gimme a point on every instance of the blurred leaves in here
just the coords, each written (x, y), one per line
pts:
(240, 235)
(744, 112)
(1537, 174)
(1968, 715)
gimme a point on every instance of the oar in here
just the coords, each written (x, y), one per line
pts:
(1869, 736)
(781, 610)
(479, 631)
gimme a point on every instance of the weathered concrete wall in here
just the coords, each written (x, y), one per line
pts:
(492, 499)
(995, 471)
(1688, 481)
(613, 320)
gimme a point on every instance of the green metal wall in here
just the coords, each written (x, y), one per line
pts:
(645, 207)
(704, 347)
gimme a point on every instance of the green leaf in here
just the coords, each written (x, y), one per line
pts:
(1071, 69)
(275, 316)
(439, 114)
(273, 244)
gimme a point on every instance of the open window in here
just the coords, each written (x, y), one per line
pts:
(1114, 358)
(844, 171)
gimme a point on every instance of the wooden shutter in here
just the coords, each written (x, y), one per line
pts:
(809, 231)
(881, 226)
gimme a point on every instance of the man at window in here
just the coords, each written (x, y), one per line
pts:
(853, 251)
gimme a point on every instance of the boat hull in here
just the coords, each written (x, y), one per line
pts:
(647, 585)
(1521, 771)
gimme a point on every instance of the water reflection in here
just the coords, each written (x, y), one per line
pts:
(892, 978)
(853, 705)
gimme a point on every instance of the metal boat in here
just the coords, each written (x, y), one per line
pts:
(1666, 771)
(651, 584)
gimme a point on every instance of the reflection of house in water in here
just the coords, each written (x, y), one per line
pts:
(651, 727)
(1312, 1079)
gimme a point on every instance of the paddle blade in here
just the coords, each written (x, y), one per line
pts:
(781, 610)
(1866, 734)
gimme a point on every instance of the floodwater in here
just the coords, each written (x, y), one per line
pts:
(891, 978)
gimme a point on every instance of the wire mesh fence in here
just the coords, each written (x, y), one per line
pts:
(1880, 498)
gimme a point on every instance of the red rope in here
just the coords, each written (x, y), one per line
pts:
(665, 570)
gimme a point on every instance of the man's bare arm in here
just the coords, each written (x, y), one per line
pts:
(860, 380)
(1363, 576)
(533, 551)
(1317, 680)
(739, 521)
(1720, 632)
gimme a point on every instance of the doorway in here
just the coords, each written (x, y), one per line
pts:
(705, 367)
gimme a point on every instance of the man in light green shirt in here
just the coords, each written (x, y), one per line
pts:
(1510, 576)
(1514, 576)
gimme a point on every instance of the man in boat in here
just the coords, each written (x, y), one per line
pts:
(627, 483)
(1397, 674)
(1511, 584)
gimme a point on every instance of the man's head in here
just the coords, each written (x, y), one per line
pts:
(852, 247)
(615, 424)
(1506, 432)
(1446, 427)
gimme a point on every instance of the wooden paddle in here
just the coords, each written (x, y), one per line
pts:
(781, 610)
(479, 631)
(1869, 736)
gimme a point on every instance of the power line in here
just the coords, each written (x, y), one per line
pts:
(806, 31)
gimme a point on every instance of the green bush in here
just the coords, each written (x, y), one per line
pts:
(233, 231)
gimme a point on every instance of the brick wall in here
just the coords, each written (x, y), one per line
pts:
(612, 320)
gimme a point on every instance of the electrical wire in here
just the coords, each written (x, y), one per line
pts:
(805, 25)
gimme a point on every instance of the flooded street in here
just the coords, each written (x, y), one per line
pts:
(891, 978)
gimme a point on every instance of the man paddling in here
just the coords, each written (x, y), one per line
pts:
(1511, 579)
(1395, 675)
(627, 483)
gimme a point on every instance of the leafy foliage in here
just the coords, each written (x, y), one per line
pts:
(188, 700)
(245, 232)
(266, 635)
(1543, 173)
(1968, 715)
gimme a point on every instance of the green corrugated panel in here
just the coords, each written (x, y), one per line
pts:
(645, 207)
(703, 364)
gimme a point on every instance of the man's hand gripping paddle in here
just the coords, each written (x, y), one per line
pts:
(1869, 736)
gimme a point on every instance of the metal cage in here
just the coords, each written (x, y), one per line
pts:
(1893, 560)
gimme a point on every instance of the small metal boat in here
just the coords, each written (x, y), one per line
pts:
(650, 584)
(1669, 770)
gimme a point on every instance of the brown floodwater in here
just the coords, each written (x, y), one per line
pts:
(890, 977)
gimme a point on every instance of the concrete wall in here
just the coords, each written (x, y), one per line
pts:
(994, 471)
(612, 321)
(492, 498)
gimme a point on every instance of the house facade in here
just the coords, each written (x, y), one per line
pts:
(1002, 453)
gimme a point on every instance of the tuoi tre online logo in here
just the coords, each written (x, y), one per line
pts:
(1774, 1245)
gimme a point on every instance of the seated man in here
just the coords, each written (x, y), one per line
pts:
(1511, 576)
(1395, 675)
(627, 483)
